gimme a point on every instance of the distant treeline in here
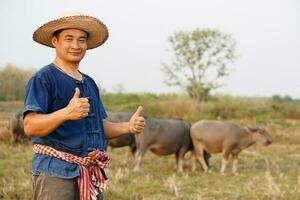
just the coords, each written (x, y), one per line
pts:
(12, 82)
(223, 107)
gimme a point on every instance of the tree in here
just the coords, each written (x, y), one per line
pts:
(12, 82)
(201, 58)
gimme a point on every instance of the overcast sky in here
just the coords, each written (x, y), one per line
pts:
(267, 34)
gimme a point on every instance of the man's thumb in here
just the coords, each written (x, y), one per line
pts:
(139, 111)
(77, 93)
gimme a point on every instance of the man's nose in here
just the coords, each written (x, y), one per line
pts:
(75, 44)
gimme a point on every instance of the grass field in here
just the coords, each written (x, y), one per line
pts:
(271, 172)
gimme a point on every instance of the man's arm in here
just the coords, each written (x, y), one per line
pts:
(42, 124)
(135, 125)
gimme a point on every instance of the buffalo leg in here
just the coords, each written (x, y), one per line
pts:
(179, 159)
(199, 153)
(234, 164)
(138, 159)
(206, 158)
(133, 149)
(15, 137)
(193, 158)
(224, 160)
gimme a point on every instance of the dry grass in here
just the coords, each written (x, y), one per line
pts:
(265, 172)
(5, 135)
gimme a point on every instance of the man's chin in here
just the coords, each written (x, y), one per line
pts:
(75, 60)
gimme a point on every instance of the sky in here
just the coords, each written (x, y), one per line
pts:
(267, 35)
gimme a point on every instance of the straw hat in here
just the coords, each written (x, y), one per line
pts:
(97, 31)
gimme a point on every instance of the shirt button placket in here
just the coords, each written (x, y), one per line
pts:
(84, 93)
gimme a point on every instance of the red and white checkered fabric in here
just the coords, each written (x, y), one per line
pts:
(92, 179)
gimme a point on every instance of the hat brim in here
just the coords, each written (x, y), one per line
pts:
(97, 31)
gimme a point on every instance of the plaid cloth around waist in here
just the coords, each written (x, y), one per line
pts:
(92, 179)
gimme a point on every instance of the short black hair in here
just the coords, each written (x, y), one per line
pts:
(56, 33)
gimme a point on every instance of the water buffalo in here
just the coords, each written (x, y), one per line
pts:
(164, 137)
(16, 127)
(226, 137)
(124, 140)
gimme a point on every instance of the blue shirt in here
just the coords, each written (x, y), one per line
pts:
(50, 90)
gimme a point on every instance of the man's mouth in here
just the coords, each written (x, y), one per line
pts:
(75, 53)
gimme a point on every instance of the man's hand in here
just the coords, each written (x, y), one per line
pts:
(137, 122)
(77, 108)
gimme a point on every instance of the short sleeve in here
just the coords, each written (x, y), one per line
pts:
(36, 96)
(102, 109)
(101, 106)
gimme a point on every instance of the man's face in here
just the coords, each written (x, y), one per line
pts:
(70, 45)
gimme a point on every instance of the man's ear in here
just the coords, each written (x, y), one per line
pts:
(54, 41)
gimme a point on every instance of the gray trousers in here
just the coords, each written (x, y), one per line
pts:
(53, 188)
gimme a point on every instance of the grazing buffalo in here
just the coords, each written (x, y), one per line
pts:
(164, 137)
(16, 127)
(124, 140)
(226, 137)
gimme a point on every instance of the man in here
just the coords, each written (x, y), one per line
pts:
(64, 115)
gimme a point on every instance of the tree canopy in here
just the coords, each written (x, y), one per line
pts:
(201, 58)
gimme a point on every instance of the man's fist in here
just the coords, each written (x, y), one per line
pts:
(77, 108)
(137, 122)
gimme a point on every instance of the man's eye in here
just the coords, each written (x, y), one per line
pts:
(69, 39)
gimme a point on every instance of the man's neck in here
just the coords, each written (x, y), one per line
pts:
(69, 68)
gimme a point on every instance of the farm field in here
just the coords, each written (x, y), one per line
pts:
(271, 172)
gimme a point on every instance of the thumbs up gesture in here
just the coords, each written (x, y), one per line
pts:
(137, 122)
(77, 108)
